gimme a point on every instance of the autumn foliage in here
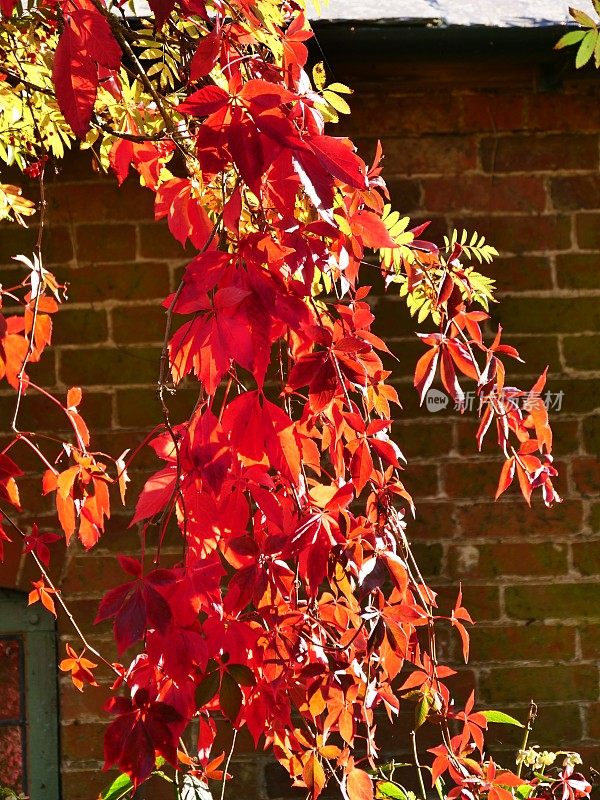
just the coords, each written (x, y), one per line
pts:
(297, 609)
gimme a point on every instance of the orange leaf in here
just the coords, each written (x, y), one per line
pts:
(360, 785)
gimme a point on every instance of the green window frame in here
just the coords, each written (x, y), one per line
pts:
(36, 628)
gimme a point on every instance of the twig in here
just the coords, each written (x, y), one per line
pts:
(227, 763)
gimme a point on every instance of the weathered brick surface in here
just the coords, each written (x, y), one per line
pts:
(468, 144)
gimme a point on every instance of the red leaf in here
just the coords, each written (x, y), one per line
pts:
(75, 79)
(161, 10)
(156, 493)
(206, 55)
(425, 371)
(371, 230)
(94, 38)
(205, 101)
(506, 476)
(7, 7)
(361, 466)
(338, 158)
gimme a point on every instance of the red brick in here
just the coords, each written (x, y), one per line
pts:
(493, 112)
(105, 243)
(9, 566)
(498, 560)
(588, 231)
(87, 705)
(521, 234)
(57, 243)
(405, 194)
(433, 520)
(92, 576)
(133, 281)
(133, 365)
(523, 193)
(82, 741)
(578, 271)
(575, 192)
(519, 642)
(590, 640)
(421, 480)
(81, 785)
(98, 202)
(483, 601)
(586, 557)
(157, 242)
(582, 352)
(515, 519)
(586, 475)
(536, 314)
(79, 165)
(593, 721)
(555, 601)
(423, 441)
(539, 153)
(429, 557)
(133, 324)
(553, 729)
(429, 155)
(471, 478)
(402, 116)
(591, 433)
(560, 111)
(519, 273)
(547, 683)
(80, 326)
(139, 408)
(44, 416)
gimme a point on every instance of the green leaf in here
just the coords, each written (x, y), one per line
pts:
(439, 787)
(207, 689)
(387, 789)
(422, 710)
(230, 697)
(586, 48)
(501, 717)
(242, 674)
(572, 37)
(118, 788)
(524, 791)
(597, 54)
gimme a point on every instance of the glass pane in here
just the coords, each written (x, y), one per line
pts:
(11, 757)
(10, 679)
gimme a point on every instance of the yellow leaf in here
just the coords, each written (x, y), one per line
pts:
(336, 101)
(318, 74)
(340, 88)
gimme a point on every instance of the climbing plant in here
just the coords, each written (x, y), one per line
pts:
(296, 609)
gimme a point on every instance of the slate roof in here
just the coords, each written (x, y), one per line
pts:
(446, 13)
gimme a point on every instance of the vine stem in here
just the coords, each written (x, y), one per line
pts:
(58, 596)
(413, 739)
(528, 728)
(227, 763)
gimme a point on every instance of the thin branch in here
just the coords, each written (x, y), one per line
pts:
(58, 596)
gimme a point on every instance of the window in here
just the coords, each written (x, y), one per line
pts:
(28, 699)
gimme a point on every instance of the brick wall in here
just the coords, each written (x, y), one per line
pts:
(472, 143)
